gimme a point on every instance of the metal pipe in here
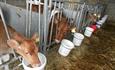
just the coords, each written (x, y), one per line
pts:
(30, 19)
(27, 5)
(45, 25)
(39, 16)
(72, 12)
(77, 16)
(74, 20)
(50, 4)
(61, 11)
(52, 25)
(36, 1)
(6, 29)
(4, 23)
(49, 11)
(80, 16)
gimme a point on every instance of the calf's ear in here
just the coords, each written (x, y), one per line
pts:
(13, 43)
(35, 38)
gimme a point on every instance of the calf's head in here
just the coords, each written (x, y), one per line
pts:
(26, 48)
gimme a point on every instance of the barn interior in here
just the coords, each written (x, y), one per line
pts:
(71, 34)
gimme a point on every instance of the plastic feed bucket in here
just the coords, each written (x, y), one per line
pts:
(78, 38)
(104, 18)
(65, 47)
(5, 58)
(42, 59)
(88, 32)
(99, 24)
(94, 27)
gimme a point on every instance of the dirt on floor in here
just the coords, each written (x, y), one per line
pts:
(95, 53)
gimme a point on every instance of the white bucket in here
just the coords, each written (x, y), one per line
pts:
(88, 32)
(98, 26)
(5, 57)
(102, 21)
(104, 18)
(42, 59)
(78, 38)
(65, 47)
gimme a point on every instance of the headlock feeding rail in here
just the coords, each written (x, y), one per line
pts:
(47, 17)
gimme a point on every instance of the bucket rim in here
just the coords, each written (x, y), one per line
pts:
(79, 36)
(89, 29)
(42, 66)
(68, 45)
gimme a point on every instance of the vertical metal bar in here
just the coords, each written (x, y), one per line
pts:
(68, 12)
(39, 15)
(36, 1)
(52, 25)
(84, 18)
(49, 11)
(72, 12)
(30, 19)
(74, 19)
(27, 5)
(77, 16)
(50, 4)
(61, 11)
(45, 25)
(78, 23)
(80, 17)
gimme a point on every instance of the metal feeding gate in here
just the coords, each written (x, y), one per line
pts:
(51, 19)
(29, 22)
(78, 15)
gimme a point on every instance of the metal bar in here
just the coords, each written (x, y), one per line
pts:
(4, 23)
(45, 25)
(49, 11)
(61, 11)
(50, 4)
(39, 16)
(80, 17)
(84, 22)
(6, 29)
(30, 19)
(72, 12)
(27, 5)
(78, 24)
(77, 18)
(52, 25)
